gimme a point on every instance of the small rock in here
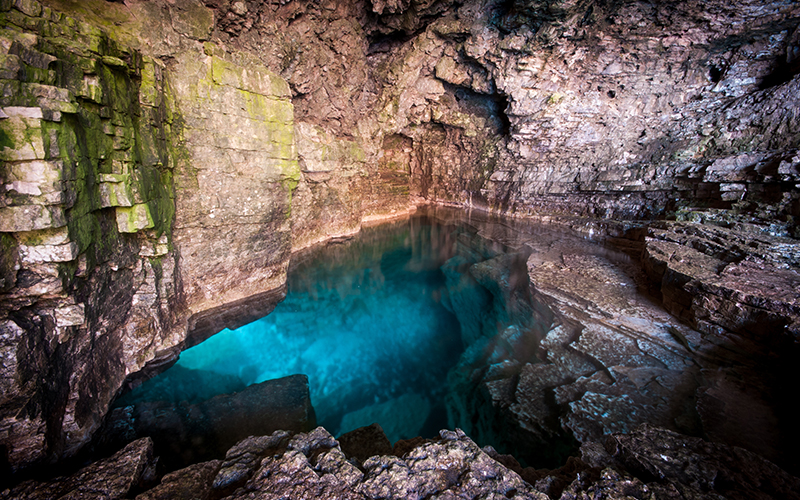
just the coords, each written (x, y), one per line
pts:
(191, 483)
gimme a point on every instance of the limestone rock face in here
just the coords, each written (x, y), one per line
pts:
(313, 464)
(190, 483)
(624, 111)
(234, 185)
(740, 281)
(320, 48)
(91, 290)
(694, 466)
(137, 195)
(598, 106)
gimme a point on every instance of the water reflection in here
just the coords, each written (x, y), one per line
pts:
(364, 319)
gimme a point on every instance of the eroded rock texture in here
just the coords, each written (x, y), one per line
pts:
(563, 343)
(648, 463)
(625, 111)
(161, 160)
(91, 291)
(147, 179)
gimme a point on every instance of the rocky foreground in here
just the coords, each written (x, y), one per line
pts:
(648, 463)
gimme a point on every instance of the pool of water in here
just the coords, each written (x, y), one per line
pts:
(526, 337)
(365, 319)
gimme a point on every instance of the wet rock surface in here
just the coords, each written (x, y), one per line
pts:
(691, 466)
(577, 349)
(190, 483)
(650, 462)
(112, 478)
(744, 282)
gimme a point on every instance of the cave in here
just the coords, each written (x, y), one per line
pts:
(599, 201)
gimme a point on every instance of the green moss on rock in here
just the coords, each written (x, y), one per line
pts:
(5, 140)
(8, 260)
(135, 218)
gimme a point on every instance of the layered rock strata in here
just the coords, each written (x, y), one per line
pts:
(148, 177)
(609, 110)
(91, 290)
(162, 159)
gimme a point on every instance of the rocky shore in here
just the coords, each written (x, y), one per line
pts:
(649, 463)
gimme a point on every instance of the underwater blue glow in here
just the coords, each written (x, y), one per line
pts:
(364, 320)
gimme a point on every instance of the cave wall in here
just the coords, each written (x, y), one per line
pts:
(638, 110)
(147, 179)
(619, 110)
(90, 288)
(161, 160)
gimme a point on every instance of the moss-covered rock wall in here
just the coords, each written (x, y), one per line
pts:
(87, 212)
(147, 176)
(235, 180)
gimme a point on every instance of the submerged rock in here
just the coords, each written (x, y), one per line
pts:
(403, 417)
(186, 433)
(613, 356)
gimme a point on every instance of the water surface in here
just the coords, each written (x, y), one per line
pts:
(364, 319)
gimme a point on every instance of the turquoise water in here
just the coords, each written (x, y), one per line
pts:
(364, 319)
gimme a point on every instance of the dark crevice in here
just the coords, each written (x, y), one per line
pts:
(404, 25)
(296, 17)
(501, 105)
(506, 17)
(491, 105)
(783, 73)
(456, 38)
(715, 74)
(387, 42)
(587, 18)
(509, 16)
